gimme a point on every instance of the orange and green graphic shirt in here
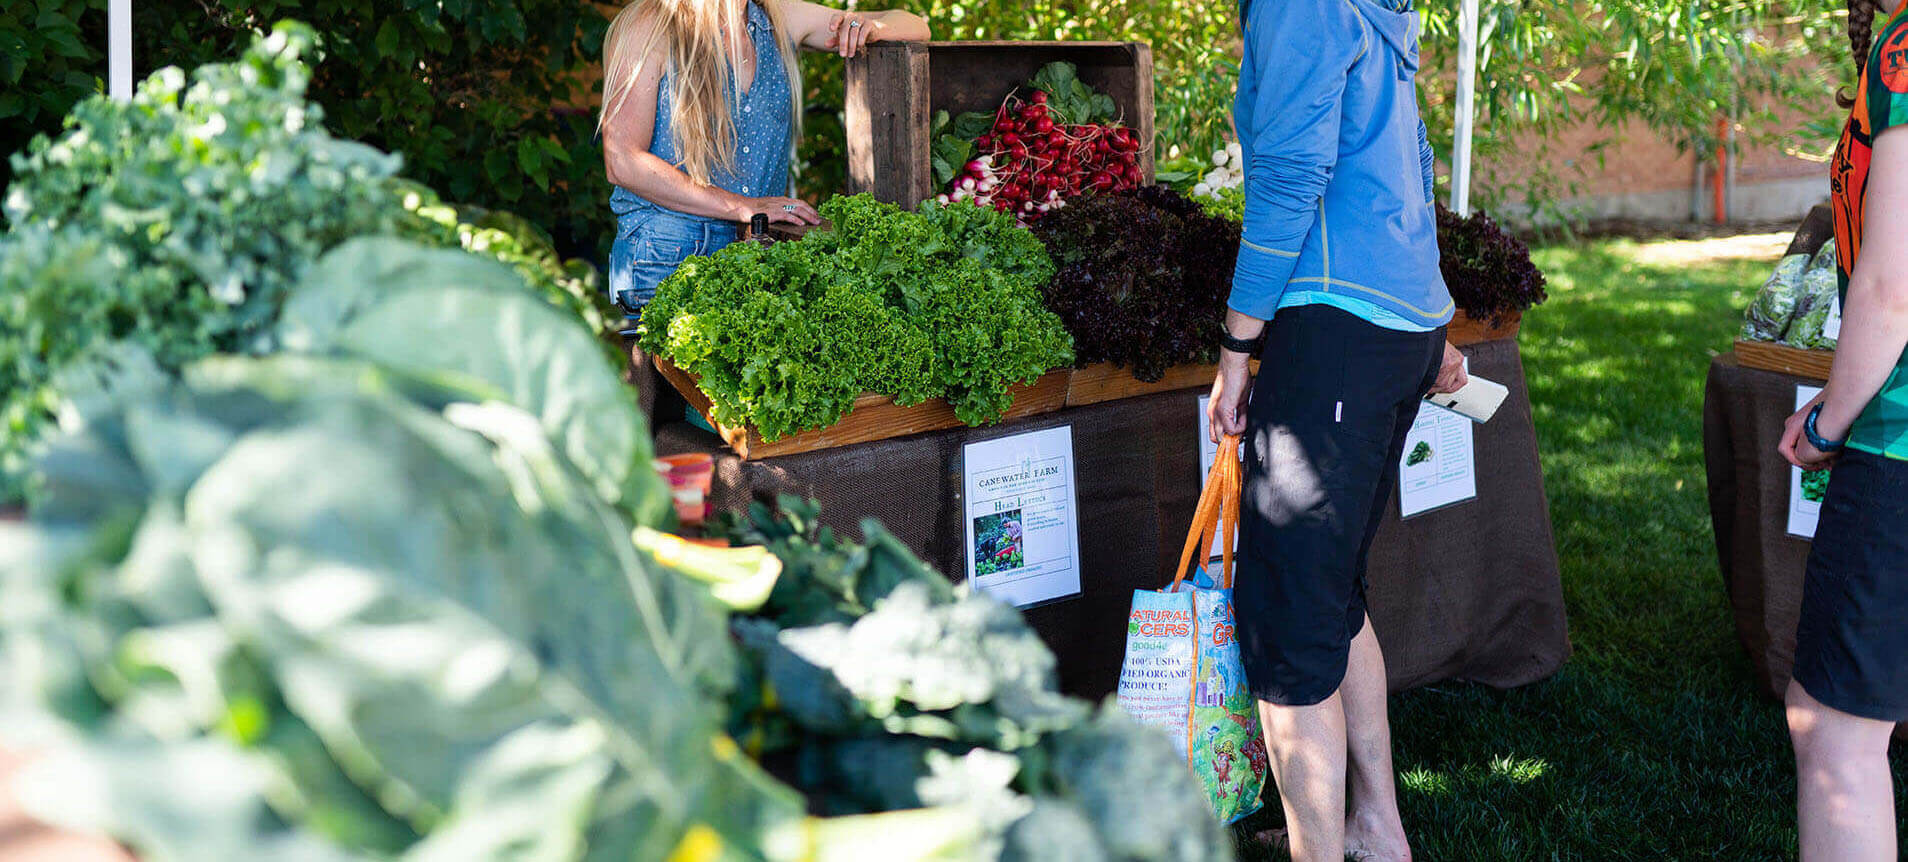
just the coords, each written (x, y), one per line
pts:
(1881, 103)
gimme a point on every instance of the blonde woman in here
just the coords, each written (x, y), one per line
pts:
(700, 106)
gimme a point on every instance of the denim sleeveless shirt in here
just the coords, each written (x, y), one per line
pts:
(651, 239)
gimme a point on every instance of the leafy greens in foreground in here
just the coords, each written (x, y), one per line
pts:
(355, 603)
(874, 686)
(174, 225)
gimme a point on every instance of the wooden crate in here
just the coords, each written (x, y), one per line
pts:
(1467, 330)
(1104, 381)
(895, 89)
(874, 417)
(1783, 359)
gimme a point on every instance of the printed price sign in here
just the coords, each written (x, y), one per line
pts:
(1023, 538)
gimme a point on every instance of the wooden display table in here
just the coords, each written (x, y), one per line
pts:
(874, 417)
(1467, 592)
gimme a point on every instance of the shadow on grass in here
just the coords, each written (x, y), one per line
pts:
(1654, 743)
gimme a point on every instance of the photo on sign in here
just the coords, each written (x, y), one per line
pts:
(1438, 467)
(998, 543)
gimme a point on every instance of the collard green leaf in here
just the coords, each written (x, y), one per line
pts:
(455, 317)
(449, 607)
(174, 802)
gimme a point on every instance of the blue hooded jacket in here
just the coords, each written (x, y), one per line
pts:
(1338, 170)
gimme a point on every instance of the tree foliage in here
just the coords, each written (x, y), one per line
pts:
(479, 94)
(489, 101)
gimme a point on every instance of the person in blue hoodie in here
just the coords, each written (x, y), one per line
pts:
(1337, 292)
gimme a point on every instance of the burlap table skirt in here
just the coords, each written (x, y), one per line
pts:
(1470, 592)
(1762, 565)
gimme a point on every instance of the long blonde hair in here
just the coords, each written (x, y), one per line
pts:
(702, 67)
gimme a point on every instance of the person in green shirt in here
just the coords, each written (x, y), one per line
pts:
(1849, 689)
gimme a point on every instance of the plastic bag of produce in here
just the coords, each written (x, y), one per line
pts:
(1821, 285)
(1183, 673)
(1774, 307)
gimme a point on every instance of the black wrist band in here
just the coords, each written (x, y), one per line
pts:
(1247, 346)
(1815, 437)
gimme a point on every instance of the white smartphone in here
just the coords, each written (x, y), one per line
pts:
(1477, 400)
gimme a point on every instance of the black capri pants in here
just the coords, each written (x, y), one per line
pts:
(1332, 405)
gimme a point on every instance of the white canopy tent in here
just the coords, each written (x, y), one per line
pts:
(1466, 107)
(119, 50)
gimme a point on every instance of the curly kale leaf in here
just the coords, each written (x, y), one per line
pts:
(943, 303)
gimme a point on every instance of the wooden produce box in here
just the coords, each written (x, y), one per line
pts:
(894, 90)
(1466, 330)
(874, 417)
(1783, 359)
(1105, 381)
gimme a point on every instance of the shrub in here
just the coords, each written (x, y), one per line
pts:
(477, 95)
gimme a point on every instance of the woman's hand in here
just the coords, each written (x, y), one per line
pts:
(1231, 389)
(1795, 446)
(849, 31)
(820, 28)
(1451, 375)
(780, 210)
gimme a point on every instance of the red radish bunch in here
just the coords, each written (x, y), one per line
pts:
(1029, 162)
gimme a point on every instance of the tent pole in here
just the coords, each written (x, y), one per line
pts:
(119, 50)
(1466, 107)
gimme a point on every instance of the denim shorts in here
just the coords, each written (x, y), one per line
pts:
(650, 245)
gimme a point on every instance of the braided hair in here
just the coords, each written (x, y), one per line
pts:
(1861, 33)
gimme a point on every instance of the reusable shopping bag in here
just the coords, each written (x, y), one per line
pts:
(1183, 673)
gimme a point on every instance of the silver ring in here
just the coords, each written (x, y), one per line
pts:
(855, 22)
(788, 208)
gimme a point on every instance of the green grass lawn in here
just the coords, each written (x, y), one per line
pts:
(1654, 742)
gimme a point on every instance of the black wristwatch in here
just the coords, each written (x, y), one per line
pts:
(1247, 346)
(1815, 437)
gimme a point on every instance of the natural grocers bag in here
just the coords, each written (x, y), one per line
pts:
(1774, 307)
(1182, 671)
(1821, 286)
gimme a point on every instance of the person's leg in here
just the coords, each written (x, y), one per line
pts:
(1322, 417)
(1850, 683)
(1844, 794)
(1373, 828)
(1307, 744)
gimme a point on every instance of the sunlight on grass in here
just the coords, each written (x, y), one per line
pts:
(1425, 782)
(1655, 741)
(1518, 770)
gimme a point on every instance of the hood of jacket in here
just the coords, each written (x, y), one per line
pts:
(1397, 32)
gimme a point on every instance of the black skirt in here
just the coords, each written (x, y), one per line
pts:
(1851, 649)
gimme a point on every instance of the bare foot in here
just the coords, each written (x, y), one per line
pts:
(1369, 840)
